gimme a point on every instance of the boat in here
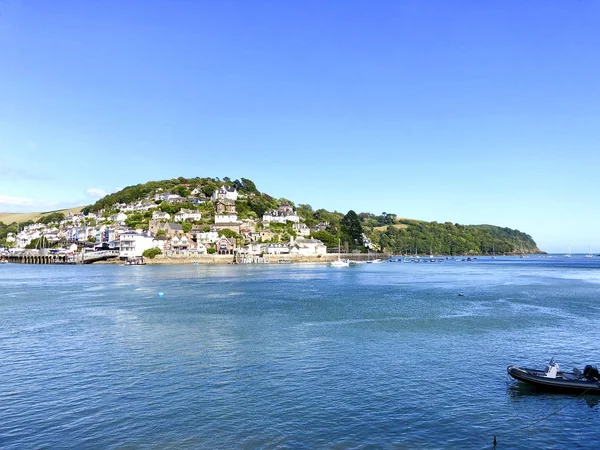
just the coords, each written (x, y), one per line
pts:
(553, 379)
(568, 255)
(135, 262)
(590, 254)
(340, 262)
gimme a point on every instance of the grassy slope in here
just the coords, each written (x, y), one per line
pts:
(9, 218)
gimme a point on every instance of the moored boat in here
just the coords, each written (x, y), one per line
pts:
(553, 379)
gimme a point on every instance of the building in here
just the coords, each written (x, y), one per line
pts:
(225, 246)
(132, 244)
(188, 215)
(307, 247)
(159, 215)
(224, 193)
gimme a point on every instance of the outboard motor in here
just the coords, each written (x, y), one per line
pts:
(552, 369)
(591, 373)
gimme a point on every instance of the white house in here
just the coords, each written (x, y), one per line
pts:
(226, 218)
(119, 218)
(224, 193)
(307, 247)
(187, 215)
(281, 215)
(159, 215)
(132, 244)
(207, 237)
(301, 229)
(277, 249)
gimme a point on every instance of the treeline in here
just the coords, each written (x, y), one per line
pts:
(415, 237)
(180, 186)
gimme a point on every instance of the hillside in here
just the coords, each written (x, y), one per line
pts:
(384, 232)
(8, 218)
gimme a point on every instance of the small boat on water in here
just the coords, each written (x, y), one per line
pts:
(135, 262)
(553, 379)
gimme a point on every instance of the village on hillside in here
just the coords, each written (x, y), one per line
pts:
(183, 234)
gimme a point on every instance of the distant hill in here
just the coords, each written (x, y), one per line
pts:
(9, 218)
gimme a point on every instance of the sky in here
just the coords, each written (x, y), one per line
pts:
(462, 111)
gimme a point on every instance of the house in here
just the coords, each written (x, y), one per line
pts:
(322, 226)
(225, 206)
(233, 226)
(132, 244)
(284, 213)
(167, 197)
(266, 235)
(307, 247)
(277, 249)
(207, 237)
(179, 244)
(188, 215)
(159, 215)
(301, 229)
(120, 218)
(160, 242)
(224, 193)
(225, 246)
(226, 218)
(170, 228)
(253, 248)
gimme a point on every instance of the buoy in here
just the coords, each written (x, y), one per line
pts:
(461, 295)
(161, 294)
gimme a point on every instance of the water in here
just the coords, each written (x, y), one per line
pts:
(294, 356)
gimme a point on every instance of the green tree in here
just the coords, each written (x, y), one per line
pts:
(152, 252)
(351, 227)
(186, 226)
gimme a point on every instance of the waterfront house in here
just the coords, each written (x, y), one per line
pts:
(160, 242)
(308, 247)
(225, 246)
(132, 244)
(207, 237)
(277, 249)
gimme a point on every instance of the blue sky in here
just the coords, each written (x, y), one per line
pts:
(463, 111)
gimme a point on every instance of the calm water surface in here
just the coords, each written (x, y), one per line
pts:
(294, 356)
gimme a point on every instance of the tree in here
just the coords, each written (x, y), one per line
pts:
(91, 239)
(351, 227)
(186, 226)
(152, 252)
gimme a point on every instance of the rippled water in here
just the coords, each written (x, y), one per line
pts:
(295, 356)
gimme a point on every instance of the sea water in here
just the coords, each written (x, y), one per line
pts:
(386, 355)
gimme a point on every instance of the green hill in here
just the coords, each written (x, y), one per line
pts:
(385, 231)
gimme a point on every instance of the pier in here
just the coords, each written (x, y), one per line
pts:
(61, 258)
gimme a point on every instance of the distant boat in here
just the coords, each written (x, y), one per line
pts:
(568, 255)
(590, 254)
(340, 262)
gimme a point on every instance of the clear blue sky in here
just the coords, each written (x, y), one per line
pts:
(463, 111)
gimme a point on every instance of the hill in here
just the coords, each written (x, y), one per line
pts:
(9, 218)
(384, 232)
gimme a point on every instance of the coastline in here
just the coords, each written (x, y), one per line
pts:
(228, 259)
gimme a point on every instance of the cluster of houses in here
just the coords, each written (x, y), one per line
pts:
(166, 233)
